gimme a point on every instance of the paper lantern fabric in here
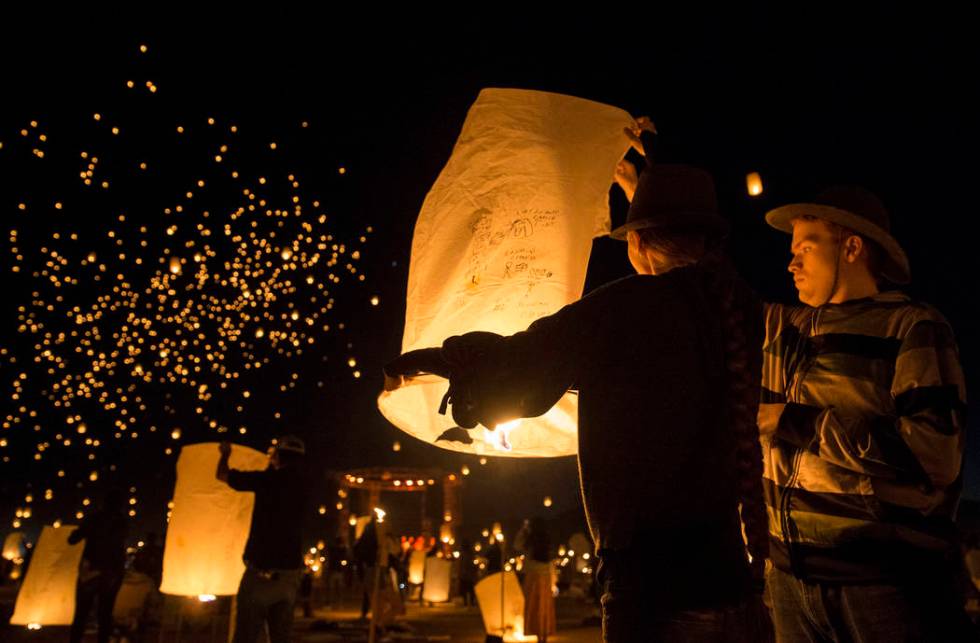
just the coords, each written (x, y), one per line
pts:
(488, 595)
(209, 523)
(438, 576)
(503, 239)
(47, 596)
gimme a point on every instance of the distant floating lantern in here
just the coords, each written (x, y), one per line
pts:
(396, 446)
(753, 183)
(465, 470)
(547, 501)
(175, 265)
(13, 546)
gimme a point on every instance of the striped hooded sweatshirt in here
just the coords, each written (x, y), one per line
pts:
(862, 417)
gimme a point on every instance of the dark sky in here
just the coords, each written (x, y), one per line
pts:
(807, 100)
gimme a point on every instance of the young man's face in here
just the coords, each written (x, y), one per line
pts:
(815, 249)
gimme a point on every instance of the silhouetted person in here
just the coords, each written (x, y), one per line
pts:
(100, 573)
(149, 558)
(337, 556)
(274, 552)
(366, 558)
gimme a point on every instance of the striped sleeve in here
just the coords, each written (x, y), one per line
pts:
(922, 442)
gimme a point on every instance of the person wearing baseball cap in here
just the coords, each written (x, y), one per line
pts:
(274, 551)
(862, 425)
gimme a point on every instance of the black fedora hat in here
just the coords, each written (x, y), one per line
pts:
(857, 209)
(674, 196)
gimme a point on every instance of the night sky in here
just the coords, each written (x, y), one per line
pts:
(363, 119)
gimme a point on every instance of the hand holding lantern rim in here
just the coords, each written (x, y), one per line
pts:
(643, 124)
(625, 175)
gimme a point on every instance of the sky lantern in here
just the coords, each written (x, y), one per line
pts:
(438, 572)
(501, 601)
(753, 183)
(47, 596)
(13, 546)
(416, 567)
(503, 238)
(209, 523)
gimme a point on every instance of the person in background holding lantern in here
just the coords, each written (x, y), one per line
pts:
(274, 551)
(862, 421)
(100, 574)
(667, 367)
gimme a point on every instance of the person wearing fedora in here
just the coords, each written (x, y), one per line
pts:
(667, 367)
(274, 551)
(862, 424)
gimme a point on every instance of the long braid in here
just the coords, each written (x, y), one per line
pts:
(742, 361)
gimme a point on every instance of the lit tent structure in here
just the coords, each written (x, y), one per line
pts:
(209, 524)
(503, 239)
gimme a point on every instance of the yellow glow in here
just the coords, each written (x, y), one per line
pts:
(499, 438)
(753, 183)
(380, 513)
(206, 598)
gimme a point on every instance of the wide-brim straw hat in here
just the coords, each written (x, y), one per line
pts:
(857, 209)
(674, 196)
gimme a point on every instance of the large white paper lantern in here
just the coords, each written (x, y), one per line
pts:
(503, 239)
(416, 567)
(511, 601)
(438, 575)
(47, 596)
(209, 523)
